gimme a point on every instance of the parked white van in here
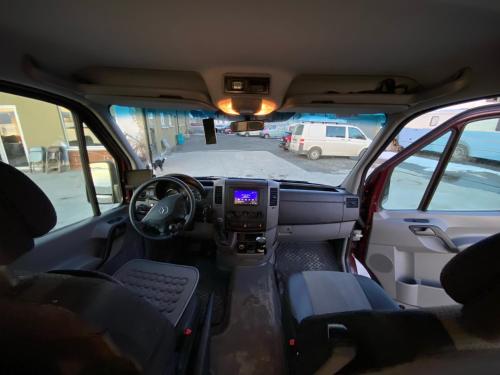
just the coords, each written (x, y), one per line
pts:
(328, 139)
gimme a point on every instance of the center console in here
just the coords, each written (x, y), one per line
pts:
(246, 216)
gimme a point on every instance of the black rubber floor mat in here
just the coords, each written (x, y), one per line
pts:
(216, 281)
(293, 257)
(211, 280)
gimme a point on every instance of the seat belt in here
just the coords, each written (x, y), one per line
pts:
(343, 351)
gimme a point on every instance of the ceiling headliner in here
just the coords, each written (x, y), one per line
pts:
(427, 40)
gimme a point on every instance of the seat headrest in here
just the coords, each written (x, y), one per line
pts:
(25, 213)
(474, 271)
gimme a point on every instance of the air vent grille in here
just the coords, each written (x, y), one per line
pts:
(352, 202)
(273, 197)
(218, 195)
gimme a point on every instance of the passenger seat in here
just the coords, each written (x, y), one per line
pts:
(344, 323)
(314, 293)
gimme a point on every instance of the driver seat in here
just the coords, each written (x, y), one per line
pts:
(126, 323)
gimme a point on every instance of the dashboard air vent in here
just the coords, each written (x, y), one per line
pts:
(218, 195)
(352, 202)
(273, 197)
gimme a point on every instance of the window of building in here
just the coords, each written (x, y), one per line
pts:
(70, 133)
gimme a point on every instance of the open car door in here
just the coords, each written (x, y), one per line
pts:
(429, 202)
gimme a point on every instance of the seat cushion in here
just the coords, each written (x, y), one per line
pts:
(312, 293)
(169, 287)
(131, 325)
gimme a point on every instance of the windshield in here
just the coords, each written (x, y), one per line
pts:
(312, 147)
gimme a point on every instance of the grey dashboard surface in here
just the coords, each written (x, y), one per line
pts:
(306, 207)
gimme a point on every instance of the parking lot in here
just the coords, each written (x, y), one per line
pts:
(257, 157)
(235, 142)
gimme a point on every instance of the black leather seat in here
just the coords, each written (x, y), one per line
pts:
(332, 310)
(135, 311)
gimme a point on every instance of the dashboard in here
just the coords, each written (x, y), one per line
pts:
(249, 216)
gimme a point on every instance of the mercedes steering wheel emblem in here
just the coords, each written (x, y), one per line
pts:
(163, 210)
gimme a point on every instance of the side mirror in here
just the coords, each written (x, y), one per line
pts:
(106, 182)
(246, 126)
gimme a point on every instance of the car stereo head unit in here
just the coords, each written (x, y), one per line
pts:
(245, 197)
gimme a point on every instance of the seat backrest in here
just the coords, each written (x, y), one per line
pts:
(25, 213)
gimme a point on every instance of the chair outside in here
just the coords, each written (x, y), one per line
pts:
(37, 158)
(54, 159)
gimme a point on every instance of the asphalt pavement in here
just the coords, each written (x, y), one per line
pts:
(227, 142)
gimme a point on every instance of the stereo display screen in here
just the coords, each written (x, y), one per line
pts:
(246, 197)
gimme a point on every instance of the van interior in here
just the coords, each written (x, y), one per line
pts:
(150, 225)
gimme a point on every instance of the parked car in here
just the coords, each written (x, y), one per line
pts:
(227, 130)
(219, 128)
(253, 133)
(273, 131)
(328, 139)
(285, 141)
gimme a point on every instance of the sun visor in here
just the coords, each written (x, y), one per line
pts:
(158, 88)
(388, 94)
(137, 87)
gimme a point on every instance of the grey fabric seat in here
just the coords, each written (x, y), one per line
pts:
(387, 339)
(312, 293)
(168, 287)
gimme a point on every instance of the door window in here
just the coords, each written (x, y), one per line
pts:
(471, 181)
(335, 131)
(356, 134)
(410, 178)
(39, 139)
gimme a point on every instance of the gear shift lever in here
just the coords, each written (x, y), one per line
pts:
(261, 240)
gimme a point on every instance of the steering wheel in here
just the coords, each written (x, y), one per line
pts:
(190, 181)
(169, 215)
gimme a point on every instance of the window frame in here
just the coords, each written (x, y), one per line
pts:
(81, 114)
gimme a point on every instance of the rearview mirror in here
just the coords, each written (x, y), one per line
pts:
(106, 182)
(246, 126)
